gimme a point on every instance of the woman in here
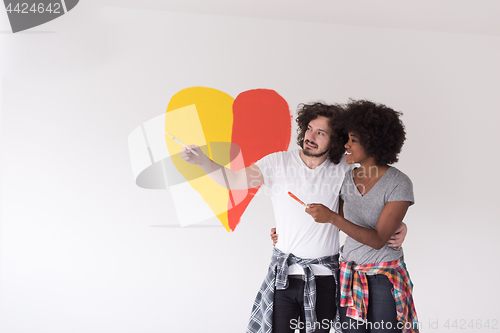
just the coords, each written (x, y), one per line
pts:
(375, 285)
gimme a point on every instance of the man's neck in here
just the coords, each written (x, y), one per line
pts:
(312, 162)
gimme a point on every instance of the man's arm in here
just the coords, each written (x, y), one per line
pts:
(399, 237)
(232, 180)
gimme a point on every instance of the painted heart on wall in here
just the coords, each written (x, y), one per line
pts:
(233, 132)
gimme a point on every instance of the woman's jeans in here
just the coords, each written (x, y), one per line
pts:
(381, 315)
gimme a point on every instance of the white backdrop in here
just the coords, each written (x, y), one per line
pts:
(83, 249)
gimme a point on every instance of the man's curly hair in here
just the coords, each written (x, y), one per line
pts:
(308, 112)
(379, 129)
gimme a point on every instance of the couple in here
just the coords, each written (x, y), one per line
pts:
(367, 203)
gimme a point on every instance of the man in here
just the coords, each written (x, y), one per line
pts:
(302, 276)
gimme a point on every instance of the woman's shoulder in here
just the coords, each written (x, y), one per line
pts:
(400, 186)
(398, 175)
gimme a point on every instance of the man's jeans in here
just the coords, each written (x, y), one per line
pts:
(289, 305)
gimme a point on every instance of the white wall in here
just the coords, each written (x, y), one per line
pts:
(81, 246)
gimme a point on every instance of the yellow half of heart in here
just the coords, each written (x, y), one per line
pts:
(202, 116)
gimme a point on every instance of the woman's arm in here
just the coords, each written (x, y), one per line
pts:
(389, 221)
(341, 207)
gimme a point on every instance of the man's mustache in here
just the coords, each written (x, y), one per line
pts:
(312, 143)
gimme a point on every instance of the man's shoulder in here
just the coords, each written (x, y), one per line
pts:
(279, 156)
(285, 152)
(342, 165)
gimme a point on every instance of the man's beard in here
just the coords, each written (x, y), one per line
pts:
(307, 153)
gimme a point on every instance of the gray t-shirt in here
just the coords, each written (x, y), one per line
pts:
(365, 211)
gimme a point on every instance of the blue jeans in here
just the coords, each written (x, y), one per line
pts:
(289, 305)
(382, 317)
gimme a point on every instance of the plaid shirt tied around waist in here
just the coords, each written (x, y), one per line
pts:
(354, 290)
(261, 319)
